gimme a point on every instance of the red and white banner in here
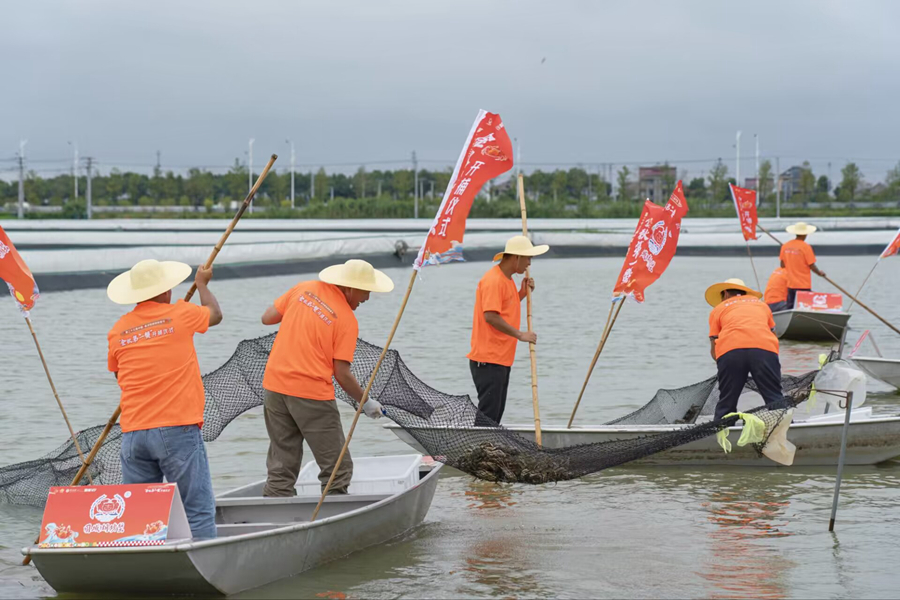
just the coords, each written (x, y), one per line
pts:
(113, 515)
(819, 301)
(859, 343)
(486, 154)
(892, 248)
(745, 205)
(17, 275)
(653, 245)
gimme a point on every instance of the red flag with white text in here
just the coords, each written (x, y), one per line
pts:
(486, 154)
(745, 205)
(892, 248)
(653, 245)
(17, 275)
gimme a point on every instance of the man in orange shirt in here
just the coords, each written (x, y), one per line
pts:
(798, 259)
(495, 327)
(315, 344)
(777, 290)
(742, 343)
(151, 351)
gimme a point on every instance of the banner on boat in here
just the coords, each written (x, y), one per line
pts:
(653, 245)
(486, 154)
(17, 275)
(892, 248)
(745, 205)
(113, 515)
(819, 301)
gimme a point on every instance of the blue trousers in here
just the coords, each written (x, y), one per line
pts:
(178, 454)
(733, 369)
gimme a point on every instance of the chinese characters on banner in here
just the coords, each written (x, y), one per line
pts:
(819, 301)
(486, 154)
(892, 248)
(745, 205)
(17, 275)
(652, 246)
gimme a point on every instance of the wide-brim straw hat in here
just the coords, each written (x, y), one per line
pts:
(714, 292)
(357, 274)
(521, 246)
(800, 228)
(147, 279)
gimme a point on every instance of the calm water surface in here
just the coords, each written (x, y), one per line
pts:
(635, 532)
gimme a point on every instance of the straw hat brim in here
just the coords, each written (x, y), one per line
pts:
(534, 251)
(337, 275)
(794, 230)
(120, 290)
(714, 292)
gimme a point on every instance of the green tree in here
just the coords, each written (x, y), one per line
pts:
(764, 180)
(807, 181)
(822, 184)
(623, 184)
(850, 179)
(718, 178)
(321, 183)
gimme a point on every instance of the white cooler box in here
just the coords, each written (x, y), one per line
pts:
(371, 475)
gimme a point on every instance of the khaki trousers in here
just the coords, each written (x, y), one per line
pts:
(289, 421)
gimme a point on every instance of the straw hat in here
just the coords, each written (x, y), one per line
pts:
(714, 292)
(521, 246)
(357, 274)
(800, 228)
(147, 279)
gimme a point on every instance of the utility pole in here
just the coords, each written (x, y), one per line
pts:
(756, 139)
(588, 171)
(777, 188)
(158, 161)
(293, 157)
(431, 193)
(75, 166)
(415, 186)
(250, 171)
(737, 159)
(21, 209)
(312, 185)
(90, 206)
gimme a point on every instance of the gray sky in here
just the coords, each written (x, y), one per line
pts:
(373, 80)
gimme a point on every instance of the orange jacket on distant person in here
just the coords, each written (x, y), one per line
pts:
(151, 349)
(742, 322)
(495, 293)
(777, 287)
(317, 327)
(797, 256)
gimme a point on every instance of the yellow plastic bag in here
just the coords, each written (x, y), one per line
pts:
(753, 432)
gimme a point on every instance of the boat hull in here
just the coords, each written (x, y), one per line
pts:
(810, 325)
(228, 565)
(884, 369)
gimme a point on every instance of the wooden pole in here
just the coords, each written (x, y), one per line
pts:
(753, 265)
(190, 293)
(863, 284)
(610, 321)
(768, 233)
(365, 396)
(855, 299)
(56, 394)
(531, 350)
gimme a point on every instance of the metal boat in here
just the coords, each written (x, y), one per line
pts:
(261, 540)
(885, 369)
(810, 325)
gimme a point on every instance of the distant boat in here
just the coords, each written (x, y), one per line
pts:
(885, 369)
(810, 325)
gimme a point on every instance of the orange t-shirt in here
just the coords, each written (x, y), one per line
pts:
(777, 287)
(152, 350)
(797, 256)
(317, 327)
(742, 322)
(496, 293)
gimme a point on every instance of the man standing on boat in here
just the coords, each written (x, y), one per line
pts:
(495, 326)
(798, 259)
(742, 343)
(151, 352)
(777, 290)
(314, 345)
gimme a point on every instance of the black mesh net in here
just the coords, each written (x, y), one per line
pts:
(442, 424)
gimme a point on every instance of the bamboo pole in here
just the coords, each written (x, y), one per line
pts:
(190, 293)
(365, 396)
(610, 321)
(531, 349)
(863, 284)
(855, 299)
(56, 394)
(768, 233)
(752, 264)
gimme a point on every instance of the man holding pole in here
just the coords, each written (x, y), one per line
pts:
(315, 343)
(151, 352)
(495, 326)
(798, 259)
(742, 343)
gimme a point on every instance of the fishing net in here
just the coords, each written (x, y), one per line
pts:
(442, 424)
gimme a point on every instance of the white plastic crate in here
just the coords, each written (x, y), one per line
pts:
(371, 475)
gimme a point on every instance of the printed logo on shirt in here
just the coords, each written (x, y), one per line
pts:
(145, 326)
(302, 299)
(142, 332)
(322, 302)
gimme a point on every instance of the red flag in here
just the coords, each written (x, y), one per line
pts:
(892, 248)
(16, 274)
(486, 154)
(652, 246)
(745, 205)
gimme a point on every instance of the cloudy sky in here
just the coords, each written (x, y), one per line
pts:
(370, 81)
